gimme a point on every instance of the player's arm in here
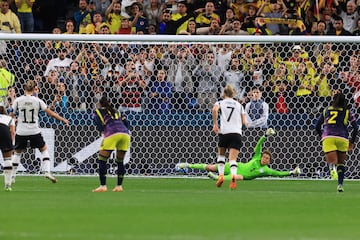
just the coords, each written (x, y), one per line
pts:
(215, 113)
(244, 120)
(12, 130)
(318, 124)
(355, 129)
(258, 147)
(50, 113)
(274, 173)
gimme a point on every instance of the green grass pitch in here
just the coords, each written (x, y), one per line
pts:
(179, 209)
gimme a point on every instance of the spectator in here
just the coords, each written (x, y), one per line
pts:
(92, 61)
(140, 22)
(70, 27)
(132, 88)
(179, 63)
(113, 16)
(246, 57)
(153, 12)
(7, 79)
(171, 5)
(60, 102)
(191, 28)
(339, 29)
(234, 28)
(276, 12)
(160, 93)
(282, 98)
(60, 64)
(104, 29)
(9, 21)
(181, 13)
(321, 28)
(207, 79)
(168, 25)
(229, 16)
(327, 54)
(235, 77)
(324, 82)
(356, 32)
(257, 110)
(223, 55)
(204, 19)
(126, 27)
(282, 74)
(249, 20)
(24, 12)
(10, 100)
(48, 85)
(75, 80)
(349, 16)
(94, 26)
(83, 16)
(101, 6)
(305, 84)
(152, 29)
(257, 72)
(213, 29)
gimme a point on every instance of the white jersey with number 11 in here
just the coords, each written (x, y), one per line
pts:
(28, 108)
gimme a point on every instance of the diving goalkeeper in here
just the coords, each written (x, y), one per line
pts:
(255, 168)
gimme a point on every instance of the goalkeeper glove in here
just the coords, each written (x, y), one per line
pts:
(296, 171)
(270, 132)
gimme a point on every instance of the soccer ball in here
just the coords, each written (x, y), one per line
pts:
(180, 170)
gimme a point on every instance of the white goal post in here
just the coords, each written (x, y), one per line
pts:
(174, 125)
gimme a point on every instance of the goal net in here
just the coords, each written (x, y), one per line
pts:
(167, 85)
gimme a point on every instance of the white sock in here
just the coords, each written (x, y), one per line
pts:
(221, 164)
(7, 171)
(45, 161)
(15, 163)
(233, 167)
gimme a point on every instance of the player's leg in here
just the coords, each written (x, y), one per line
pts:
(7, 169)
(20, 146)
(341, 170)
(37, 141)
(233, 155)
(330, 148)
(220, 166)
(6, 148)
(120, 170)
(102, 160)
(122, 146)
(331, 159)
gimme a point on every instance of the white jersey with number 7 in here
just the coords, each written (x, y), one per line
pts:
(230, 116)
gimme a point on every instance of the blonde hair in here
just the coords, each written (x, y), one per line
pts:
(229, 91)
(30, 85)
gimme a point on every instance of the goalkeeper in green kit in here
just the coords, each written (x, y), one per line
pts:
(256, 167)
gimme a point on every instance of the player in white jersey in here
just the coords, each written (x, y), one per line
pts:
(27, 108)
(232, 119)
(7, 133)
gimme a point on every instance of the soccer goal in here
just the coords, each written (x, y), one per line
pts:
(171, 117)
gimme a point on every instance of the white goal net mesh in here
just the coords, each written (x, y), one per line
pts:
(170, 118)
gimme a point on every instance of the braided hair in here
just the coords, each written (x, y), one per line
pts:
(104, 102)
(339, 100)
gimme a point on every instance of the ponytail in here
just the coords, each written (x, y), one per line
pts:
(104, 102)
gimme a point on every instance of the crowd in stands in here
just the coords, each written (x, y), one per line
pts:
(290, 77)
(192, 17)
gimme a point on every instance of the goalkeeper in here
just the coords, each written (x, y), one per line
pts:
(256, 167)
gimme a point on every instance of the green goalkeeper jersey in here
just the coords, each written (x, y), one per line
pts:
(253, 168)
